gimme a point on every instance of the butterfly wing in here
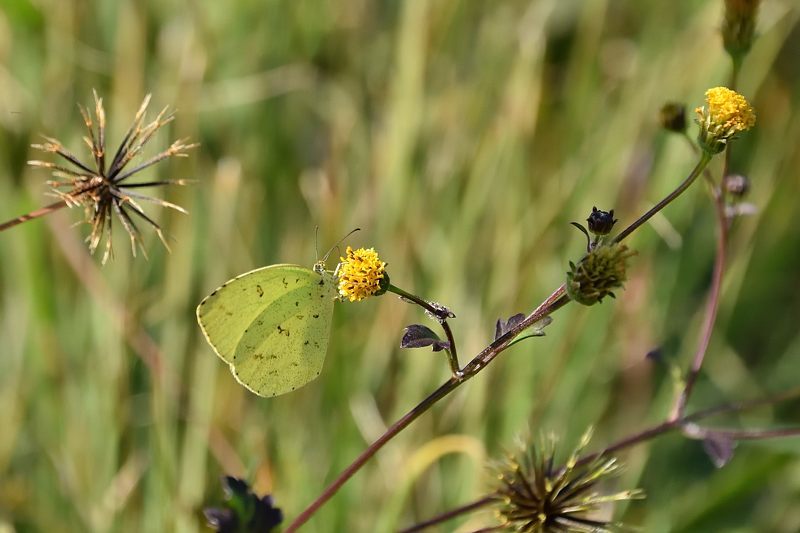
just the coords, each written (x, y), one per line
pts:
(226, 313)
(284, 346)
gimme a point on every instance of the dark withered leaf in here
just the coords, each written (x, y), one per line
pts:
(719, 448)
(243, 511)
(656, 354)
(235, 487)
(504, 326)
(222, 520)
(419, 336)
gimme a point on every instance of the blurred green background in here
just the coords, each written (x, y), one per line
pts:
(462, 137)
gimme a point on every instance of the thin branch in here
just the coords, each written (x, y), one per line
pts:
(453, 513)
(704, 159)
(712, 305)
(55, 206)
(448, 387)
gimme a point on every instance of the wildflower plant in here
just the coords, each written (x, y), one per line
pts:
(535, 492)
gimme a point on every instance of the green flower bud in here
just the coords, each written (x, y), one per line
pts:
(598, 273)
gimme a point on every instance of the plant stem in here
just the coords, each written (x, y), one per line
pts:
(696, 171)
(46, 210)
(452, 354)
(712, 305)
(444, 517)
(393, 430)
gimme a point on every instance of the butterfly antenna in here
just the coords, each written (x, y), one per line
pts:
(316, 241)
(335, 246)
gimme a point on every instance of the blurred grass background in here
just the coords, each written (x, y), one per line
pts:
(462, 137)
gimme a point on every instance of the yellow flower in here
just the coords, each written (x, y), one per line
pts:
(727, 114)
(361, 274)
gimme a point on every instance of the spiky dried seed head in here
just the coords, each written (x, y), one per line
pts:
(537, 495)
(103, 188)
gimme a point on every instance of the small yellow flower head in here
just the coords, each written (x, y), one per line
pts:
(726, 114)
(362, 274)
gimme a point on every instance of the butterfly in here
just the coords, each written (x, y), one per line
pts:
(272, 325)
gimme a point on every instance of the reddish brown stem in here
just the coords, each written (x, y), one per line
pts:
(373, 448)
(449, 515)
(46, 210)
(712, 305)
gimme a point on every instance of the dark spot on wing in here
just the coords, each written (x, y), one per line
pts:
(284, 331)
(285, 284)
(299, 317)
(321, 281)
(260, 291)
(213, 293)
(305, 343)
(297, 304)
(315, 315)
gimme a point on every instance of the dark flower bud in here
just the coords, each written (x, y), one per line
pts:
(601, 222)
(736, 185)
(673, 117)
